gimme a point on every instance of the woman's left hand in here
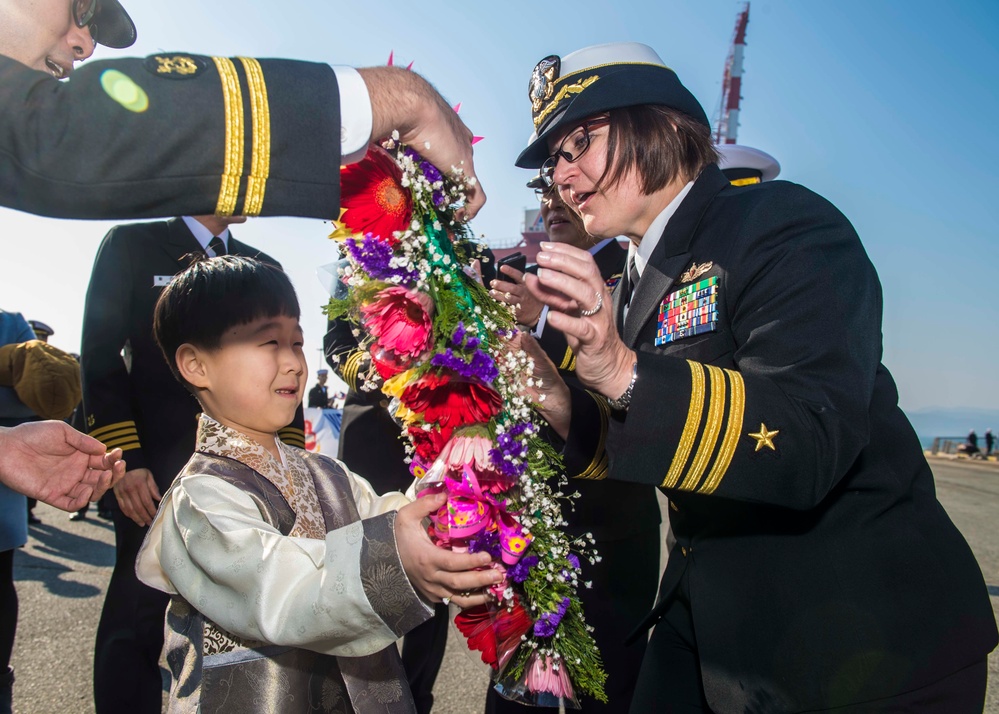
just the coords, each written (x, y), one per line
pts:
(580, 307)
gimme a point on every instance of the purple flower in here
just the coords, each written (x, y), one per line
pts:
(518, 573)
(458, 338)
(375, 256)
(431, 172)
(438, 199)
(481, 366)
(549, 621)
(488, 542)
(510, 447)
(573, 560)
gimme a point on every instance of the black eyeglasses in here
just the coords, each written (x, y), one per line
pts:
(571, 148)
(547, 193)
(84, 12)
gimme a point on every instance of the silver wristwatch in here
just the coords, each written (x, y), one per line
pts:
(622, 403)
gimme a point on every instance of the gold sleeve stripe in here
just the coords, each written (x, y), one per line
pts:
(232, 171)
(691, 426)
(117, 426)
(123, 444)
(572, 365)
(260, 162)
(709, 437)
(118, 435)
(567, 360)
(291, 432)
(737, 408)
(597, 469)
(351, 367)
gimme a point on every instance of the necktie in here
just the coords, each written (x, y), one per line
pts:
(217, 246)
(633, 278)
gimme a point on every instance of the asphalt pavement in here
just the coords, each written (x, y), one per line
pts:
(62, 573)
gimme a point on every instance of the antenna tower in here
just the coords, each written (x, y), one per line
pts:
(727, 122)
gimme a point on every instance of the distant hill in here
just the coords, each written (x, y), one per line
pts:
(931, 422)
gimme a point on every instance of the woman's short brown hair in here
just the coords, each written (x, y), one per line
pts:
(660, 143)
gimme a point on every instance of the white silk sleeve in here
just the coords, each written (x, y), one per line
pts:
(210, 545)
(369, 503)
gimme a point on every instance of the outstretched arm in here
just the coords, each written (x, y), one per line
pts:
(56, 464)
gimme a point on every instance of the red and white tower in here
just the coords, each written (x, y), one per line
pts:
(727, 123)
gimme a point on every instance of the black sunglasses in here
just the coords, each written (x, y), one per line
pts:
(84, 12)
(579, 142)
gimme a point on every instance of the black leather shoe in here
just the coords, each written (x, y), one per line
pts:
(105, 514)
(78, 516)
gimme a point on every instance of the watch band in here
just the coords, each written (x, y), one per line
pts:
(622, 403)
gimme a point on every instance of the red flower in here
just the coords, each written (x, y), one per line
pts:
(428, 444)
(400, 321)
(375, 200)
(496, 634)
(450, 402)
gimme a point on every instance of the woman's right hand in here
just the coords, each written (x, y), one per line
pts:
(573, 287)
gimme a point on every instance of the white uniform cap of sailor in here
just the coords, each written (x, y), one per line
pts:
(737, 156)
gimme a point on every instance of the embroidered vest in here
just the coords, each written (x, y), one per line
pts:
(213, 671)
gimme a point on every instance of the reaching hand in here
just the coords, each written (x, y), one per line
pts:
(405, 102)
(527, 307)
(51, 461)
(437, 573)
(549, 392)
(573, 286)
(137, 496)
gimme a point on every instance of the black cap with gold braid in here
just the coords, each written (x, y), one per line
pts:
(596, 79)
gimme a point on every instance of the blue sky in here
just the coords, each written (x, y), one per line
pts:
(888, 109)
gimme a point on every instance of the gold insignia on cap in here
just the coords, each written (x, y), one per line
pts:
(765, 438)
(178, 64)
(695, 271)
(562, 94)
(543, 81)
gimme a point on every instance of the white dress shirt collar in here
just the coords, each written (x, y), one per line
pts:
(650, 240)
(204, 236)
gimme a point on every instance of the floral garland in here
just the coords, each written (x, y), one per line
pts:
(440, 348)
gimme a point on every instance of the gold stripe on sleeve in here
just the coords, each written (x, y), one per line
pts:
(351, 368)
(712, 428)
(292, 436)
(567, 360)
(597, 470)
(260, 162)
(126, 444)
(117, 426)
(691, 426)
(737, 408)
(232, 171)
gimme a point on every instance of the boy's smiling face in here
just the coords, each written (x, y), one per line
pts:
(255, 380)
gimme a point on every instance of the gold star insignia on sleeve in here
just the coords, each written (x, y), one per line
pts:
(765, 438)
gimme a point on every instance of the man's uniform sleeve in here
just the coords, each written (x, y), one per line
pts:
(785, 421)
(344, 355)
(172, 134)
(106, 316)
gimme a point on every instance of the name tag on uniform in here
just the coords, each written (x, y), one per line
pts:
(161, 281)
(689, 311)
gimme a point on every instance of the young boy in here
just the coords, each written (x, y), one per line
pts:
(291, 578)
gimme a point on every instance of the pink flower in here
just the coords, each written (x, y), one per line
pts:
(544, 676)
(400, 321)
(470, 450)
